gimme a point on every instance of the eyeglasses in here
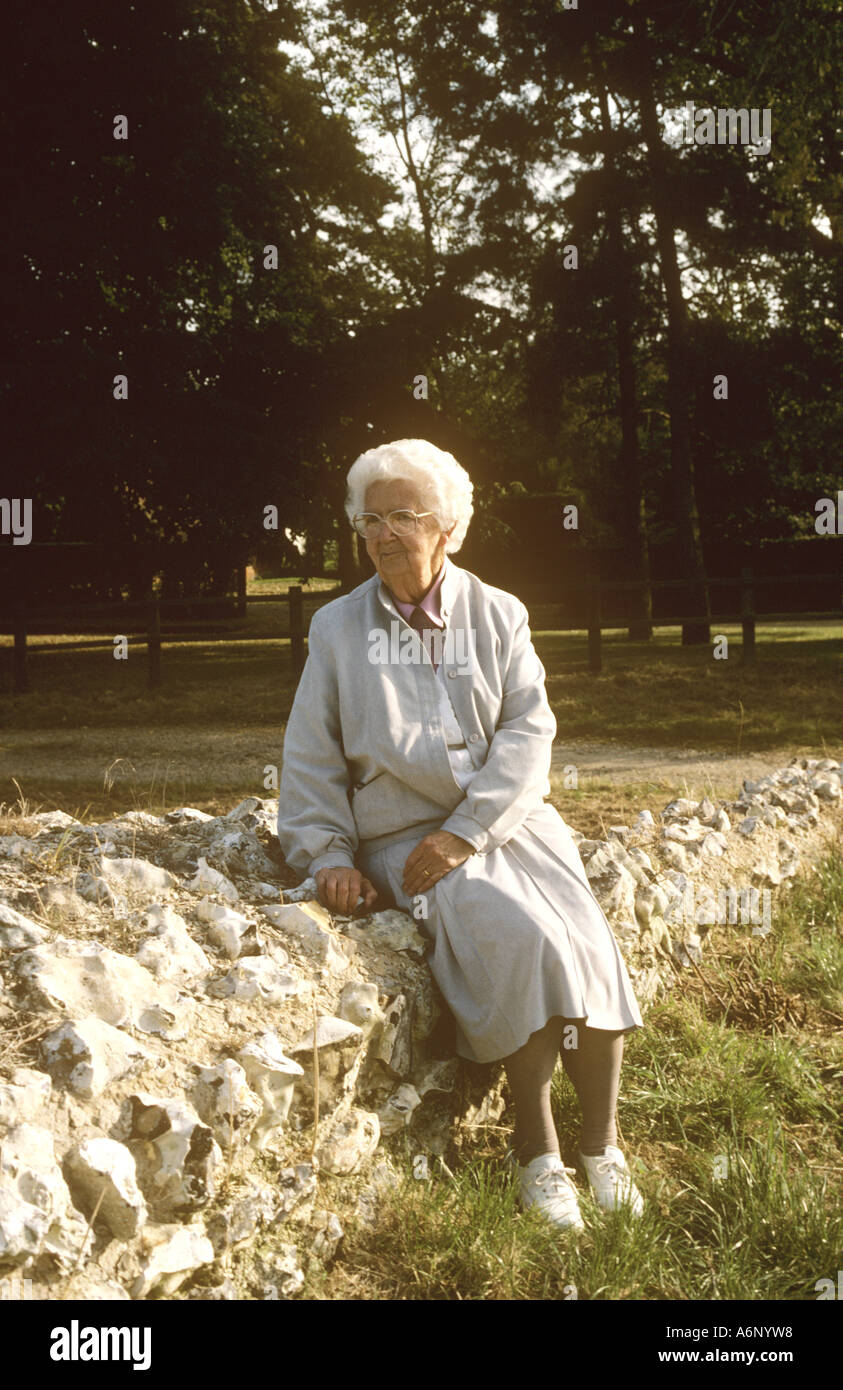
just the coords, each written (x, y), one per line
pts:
(402, 523)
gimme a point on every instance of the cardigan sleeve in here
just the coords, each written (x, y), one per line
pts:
(514, 778)
(316, 828)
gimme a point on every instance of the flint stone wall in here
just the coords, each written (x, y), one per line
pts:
(171, 1009)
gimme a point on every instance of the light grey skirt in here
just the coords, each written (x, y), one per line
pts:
(515, 937)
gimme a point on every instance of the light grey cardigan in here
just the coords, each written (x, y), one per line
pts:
(365, 758)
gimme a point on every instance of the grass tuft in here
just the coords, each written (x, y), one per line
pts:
(732, 1132)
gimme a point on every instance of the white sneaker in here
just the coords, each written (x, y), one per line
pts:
(611, 1180)
(544, 1184)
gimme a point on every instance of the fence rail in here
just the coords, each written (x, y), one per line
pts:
(23, 617)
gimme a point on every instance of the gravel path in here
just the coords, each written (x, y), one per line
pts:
(236, 758)
(683, 771)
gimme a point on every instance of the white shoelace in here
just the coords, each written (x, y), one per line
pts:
(559, 1173)
(607, 1164)
(619, 1176)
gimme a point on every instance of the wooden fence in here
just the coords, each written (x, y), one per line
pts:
(150, 613)
(595, 590)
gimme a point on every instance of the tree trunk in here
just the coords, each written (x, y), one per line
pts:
(315, 557)
(347, 557)
(694, 599)
(641, 625)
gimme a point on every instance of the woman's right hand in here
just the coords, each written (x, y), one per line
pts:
(340, 888)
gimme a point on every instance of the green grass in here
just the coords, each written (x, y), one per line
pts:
(734, 1135)
(694, 1087)
(661, 694)
(657, 694)
(648, 695)
(280, 586)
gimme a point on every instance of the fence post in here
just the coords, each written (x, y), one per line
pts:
(153, 644)
(241, 590)
(20, 667)
(294, 593)
(595, 655)
(747, 614)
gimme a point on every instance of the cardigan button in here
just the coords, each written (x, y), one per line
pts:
(451, 675)
(474, 738)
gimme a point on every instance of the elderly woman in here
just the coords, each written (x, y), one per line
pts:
(415, 771)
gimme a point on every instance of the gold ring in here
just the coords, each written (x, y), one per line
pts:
(427, 873)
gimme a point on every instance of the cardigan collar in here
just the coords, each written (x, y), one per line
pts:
(448, 591)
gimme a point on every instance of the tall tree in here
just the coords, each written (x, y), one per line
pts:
(153, 152)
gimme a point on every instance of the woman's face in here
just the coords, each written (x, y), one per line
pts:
(404, 563)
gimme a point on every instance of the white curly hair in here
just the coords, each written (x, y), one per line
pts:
(444, 486)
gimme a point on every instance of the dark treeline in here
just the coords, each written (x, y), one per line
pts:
(571, 280)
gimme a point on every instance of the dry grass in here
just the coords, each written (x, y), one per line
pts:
(17, 818)
(19, 1041)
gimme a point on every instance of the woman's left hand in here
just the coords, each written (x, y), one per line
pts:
(434, 857)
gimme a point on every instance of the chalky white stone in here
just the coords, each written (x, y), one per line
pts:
(391, 929)
(169, 950)
(94, 889)
(17, 1103)
(282, 1273)
(683, 832)
(237, 1224)
(329, 1233)
(36, 1211)
(640, 857)
(53, 820)
(17, 932)
(359, 1004)
(272, 1076)
(310, 925)
(352, 1139)
(398, 1111)
(789, 857)
(370, 980)
(210, 880)
(229, 930)
(329, 1032)
(649, 902)
(176, 1155)
(137, 875)
(83, 978)
(224, 1100)
(168, 1254)
(258, 977)
(294, 1188)
(86, 1055)
(304, 893)
(33, 1078)
(612, 885)
(394, 1046)
(636, 863)
(101, 1172)
(13, 846)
